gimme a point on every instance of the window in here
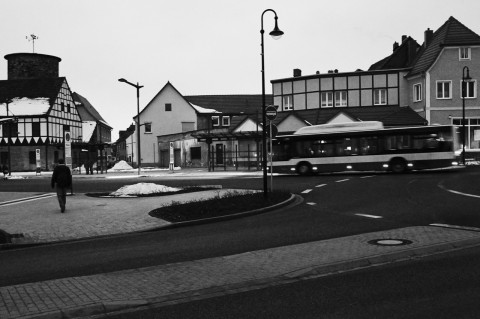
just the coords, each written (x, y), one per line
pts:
(327, 99)
(32, 157)
(469, 89)
(195, 153)
(417, 92)
(341, 98)
(10, 129)
(472, 129)
(148, 128)
(444, 89)
(225, 120)
(380, 97)
(36, 129)
(168, 107)
(68, 108)
(215, 121)
(287, 103)
(464, 54)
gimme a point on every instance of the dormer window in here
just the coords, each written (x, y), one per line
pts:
(225, 120)
(464, 54)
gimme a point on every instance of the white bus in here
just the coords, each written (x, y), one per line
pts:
(364, 146)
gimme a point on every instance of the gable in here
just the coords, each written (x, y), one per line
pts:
(341, 118)
(167, 111)
(451, 33)
(247, 126)
(290, 124)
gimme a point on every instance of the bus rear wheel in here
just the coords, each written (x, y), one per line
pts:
(304, 168)
(398, 165)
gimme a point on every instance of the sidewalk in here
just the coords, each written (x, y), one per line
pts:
(38, 219)
(152, 287)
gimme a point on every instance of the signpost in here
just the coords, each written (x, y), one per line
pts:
(68, 149)
(271, 114)
(38, 169)
(172, 157)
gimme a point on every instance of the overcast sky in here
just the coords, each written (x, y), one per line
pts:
(210, 46)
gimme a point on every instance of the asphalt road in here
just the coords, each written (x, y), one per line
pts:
(336, 205)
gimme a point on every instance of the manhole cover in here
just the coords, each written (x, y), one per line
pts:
(390, 242)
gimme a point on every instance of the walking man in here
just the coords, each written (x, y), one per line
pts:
(62, 177)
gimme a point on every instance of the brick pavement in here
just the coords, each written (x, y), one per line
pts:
(40, 220)
(181, 282)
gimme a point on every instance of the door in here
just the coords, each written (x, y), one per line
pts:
(219, 154)
(164, 158)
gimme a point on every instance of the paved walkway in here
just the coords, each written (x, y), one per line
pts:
(182, 282)
(36, 218)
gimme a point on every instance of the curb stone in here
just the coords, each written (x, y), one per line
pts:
(294, 200)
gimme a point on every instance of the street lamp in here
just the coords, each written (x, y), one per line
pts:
(276, 34)
(464, 91)
(138, 87)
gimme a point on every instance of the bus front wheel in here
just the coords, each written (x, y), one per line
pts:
(398, 165)
(304, 168)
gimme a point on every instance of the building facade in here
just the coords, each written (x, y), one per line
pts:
(425, 79)
(37, 109)
(41, 105)
(96, 141)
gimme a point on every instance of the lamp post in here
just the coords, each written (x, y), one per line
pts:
(138, 87)
(464, 90)
(276, 34)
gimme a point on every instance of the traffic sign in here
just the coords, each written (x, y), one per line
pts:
(274, 130)
(271, 112)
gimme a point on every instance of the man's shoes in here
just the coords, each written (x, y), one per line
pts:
(62, 209)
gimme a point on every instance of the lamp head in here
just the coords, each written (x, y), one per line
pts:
(276, 33)
(122, 80)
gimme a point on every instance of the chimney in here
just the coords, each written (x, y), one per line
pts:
(404, 37)
(428, 36)
(32, 66)
(395, 46)
(297, 73)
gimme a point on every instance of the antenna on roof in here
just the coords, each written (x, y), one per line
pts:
(32, 38)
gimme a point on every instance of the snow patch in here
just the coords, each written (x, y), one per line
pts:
(142, 189)
(26, 106)
(122, 165)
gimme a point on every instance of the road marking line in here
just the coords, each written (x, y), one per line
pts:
(311, 203)
(26, 199)
(369, 216)
(321, 185)
(306, 191)
(342, 180)
(457, 192)
(456, 227)
(368, 176)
